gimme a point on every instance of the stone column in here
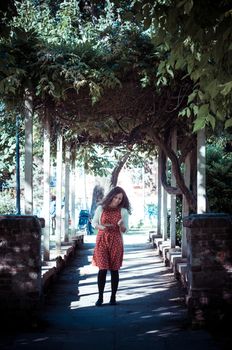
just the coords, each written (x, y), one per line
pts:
(59, 178)
(46, 193)
(28, 181)
(173, 197)
(164, 215)
(159, 197)
(67, 193)
(201, 182)
(185, 206)
(73, 200)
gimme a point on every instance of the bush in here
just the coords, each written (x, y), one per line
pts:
(219, 178)
(7, 203)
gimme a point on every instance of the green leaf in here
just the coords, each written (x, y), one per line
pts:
(201, 95)
(226, 88)
(180, 63)
(190, 65)
(170, 71)
(192, 96)
(195, 109)
(185, 112)
(228, 123)
(188, 6)
(196, 73)
(212, 88)
(220, 115)
(211, 120)
(199, 124)
(203, 111)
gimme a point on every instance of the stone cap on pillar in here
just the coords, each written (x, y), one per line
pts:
(208, 219)
(13, 217)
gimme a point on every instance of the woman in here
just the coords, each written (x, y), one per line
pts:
(111, 221)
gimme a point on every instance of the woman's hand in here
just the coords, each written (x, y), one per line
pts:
(100, 227)
(109, 225)
(121, 226)
(105, 226)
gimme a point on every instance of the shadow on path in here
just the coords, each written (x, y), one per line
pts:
(150, 313)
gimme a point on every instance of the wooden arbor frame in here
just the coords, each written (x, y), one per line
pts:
(129, 114)
(126, 115)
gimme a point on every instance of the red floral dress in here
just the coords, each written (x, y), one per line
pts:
(108, 252)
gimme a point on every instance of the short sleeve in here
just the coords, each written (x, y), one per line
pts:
(125, 218)
(97, 216)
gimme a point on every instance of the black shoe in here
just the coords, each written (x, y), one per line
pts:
(99, 302)
(113, 302)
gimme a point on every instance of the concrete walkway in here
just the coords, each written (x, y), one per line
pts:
(150, 313)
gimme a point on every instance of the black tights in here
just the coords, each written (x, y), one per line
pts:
(101, 281)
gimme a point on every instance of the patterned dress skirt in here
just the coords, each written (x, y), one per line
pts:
(108, 252)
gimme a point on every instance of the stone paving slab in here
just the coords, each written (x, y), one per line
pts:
(150, 313)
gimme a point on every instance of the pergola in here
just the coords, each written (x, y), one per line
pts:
(123, 116)
(126, 114)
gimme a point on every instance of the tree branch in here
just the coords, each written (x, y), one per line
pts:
(176, 169)
(118, 168)
(170, 189)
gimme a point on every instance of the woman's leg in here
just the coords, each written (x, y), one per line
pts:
(101, 281)
(114, 286)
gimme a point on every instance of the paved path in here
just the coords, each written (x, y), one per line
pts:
(150, 313)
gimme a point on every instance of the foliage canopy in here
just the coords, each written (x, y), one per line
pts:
(63, 58)
(119, 72)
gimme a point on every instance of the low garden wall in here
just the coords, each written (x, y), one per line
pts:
(20, 266)
(209, 259)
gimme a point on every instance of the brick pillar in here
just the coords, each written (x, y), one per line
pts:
(209, 257)
(20, 266)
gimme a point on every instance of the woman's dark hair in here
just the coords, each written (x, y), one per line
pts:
(109, 197)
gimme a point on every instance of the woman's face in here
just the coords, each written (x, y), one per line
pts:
(116, 200)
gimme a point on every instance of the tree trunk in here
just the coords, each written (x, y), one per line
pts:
(98, 194)
(168, 152)
(170, 189)
(117, 169)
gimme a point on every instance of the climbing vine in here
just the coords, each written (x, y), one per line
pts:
(120, 73)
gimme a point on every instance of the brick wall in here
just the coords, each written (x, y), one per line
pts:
(20, 264)
(209, 258)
